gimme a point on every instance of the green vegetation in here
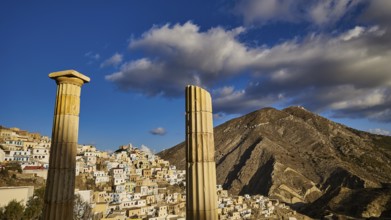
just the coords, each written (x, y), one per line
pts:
(13, 211)
(35, 204)
(33, 211)
(9, 168)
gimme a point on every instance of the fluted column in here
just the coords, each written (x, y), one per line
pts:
(60, 185)
(201, 198)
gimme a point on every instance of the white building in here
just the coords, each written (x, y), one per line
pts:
(91, 160)
(18, 193)
(40, 154)
(83, 148)
(119, 181)
(14, 143)
(102, 179)
(92, 154)
(19, 155)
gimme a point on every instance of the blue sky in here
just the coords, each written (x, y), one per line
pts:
(330, 56)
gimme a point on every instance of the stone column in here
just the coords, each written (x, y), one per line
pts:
(201, 198)
(60, 185)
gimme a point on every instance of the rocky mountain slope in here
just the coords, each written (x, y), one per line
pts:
(303, 159)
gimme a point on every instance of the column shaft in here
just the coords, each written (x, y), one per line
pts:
(60, 185)
(201, 198)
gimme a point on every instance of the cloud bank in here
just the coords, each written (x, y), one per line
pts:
(113, 60)
(380, 131)
(158, 131)
(179, 55)
(344, 73)
(318, 13)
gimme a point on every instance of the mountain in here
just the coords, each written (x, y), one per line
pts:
(316, 165)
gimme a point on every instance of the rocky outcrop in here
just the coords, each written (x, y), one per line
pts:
(300, 158)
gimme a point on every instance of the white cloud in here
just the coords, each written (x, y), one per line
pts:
(254, 11)
(112, 61)
(231, 101)
(211, 52)
(146, 150)
(382, 114)
(330, 11)
(353, 33)
(380, 131)
(158, 131)
(365, 100)
(219, 115)
(224, 91)
(179, 55)
(91, 55)
(318, 12)
(347, 72)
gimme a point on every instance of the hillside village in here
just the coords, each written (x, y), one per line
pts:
(130, 183)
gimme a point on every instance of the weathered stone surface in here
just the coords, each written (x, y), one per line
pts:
(201, 197)
(60, 185)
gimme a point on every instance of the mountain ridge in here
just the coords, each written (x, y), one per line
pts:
(296, 156)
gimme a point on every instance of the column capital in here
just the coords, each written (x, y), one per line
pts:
(69, 76)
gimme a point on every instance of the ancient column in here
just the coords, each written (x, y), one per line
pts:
(60, 185)
(201, 198)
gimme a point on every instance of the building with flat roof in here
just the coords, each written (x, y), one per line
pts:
(18, 193)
